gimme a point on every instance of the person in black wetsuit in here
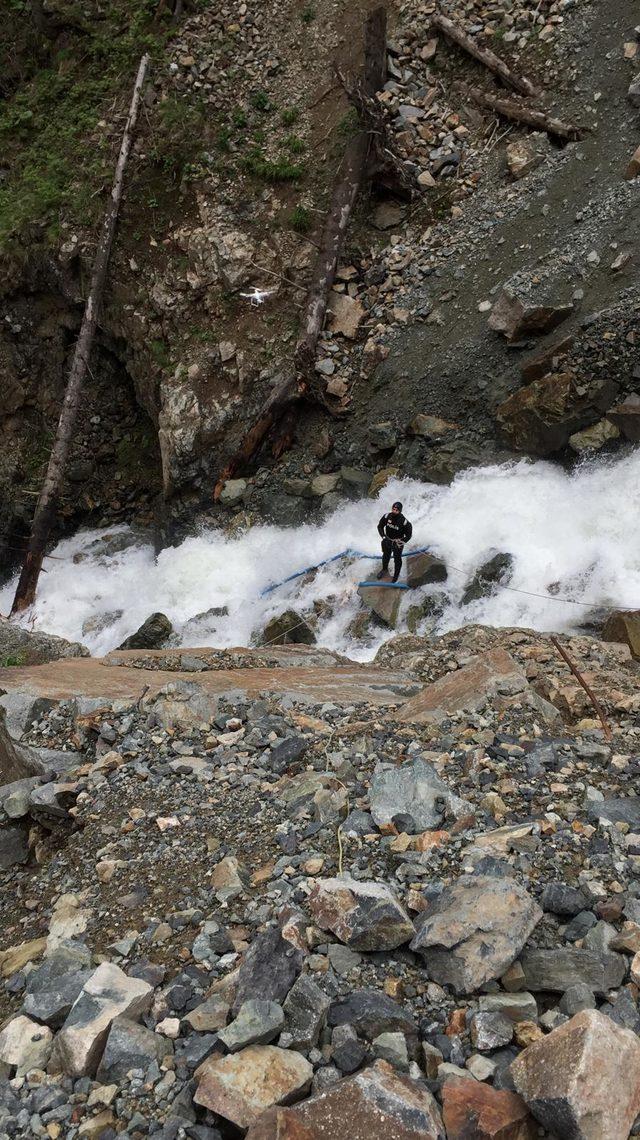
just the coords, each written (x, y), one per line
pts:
(394, 530)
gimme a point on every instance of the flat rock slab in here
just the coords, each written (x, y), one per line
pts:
(582, 1081)
(465, 689)
(474, 930)
(241, 1086)
(377, 1104)
(93, 677)
(364, 915)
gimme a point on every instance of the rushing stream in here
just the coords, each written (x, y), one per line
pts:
(577, 534)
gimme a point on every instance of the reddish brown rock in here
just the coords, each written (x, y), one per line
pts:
(540, 418)
(514, 317)
(466, 688)
(473, 1110)
(582, 1081)
(241, 1086)
(546, 360)
(626, 417)
(364, 915)
(377, 1104)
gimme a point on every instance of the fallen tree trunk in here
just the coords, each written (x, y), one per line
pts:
(517, 113)
(483, 55)
(46, 508)
(353, 168)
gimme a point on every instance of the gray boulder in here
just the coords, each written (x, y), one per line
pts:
(625, 809)
(270, 967)
(288, 628)
(54, 986)
(371, 1013)
(14, 847)
(497, 570)
(258, 1023)
(474, 930)
(152, 634)
(305, 1010)
(414, 790)
(557, 970)
(23, 647)
(130, 1046)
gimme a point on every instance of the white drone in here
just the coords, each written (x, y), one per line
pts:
(257, 296)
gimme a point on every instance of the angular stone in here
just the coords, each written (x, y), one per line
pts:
(53, 987)
(490, 1030)
(465, 689)
(376, 1104)
(423, 569)
(624, 626)
(472, 1110)
(14, 797)
(152, 634)
(474, 930)
(594, 437)
(15, 958)
(559, 898)
(258, 1023)
(241, 1086)
(306, 1010)
(540, 418)
(210, 1015)
(24, 1045)
(556, 970)
(108, 994)
(14, 847)
(129, 1046)
(522, 157)
(384, 601)
(324, 484)
(582, 1081)
(364, 915)
(371, 1013)
(227, 879)
(412, 789)
(345, 314)
(626, 416)
(270, 967)
(576, 999)
(515, 318)
(232, 491)
(516, 1007)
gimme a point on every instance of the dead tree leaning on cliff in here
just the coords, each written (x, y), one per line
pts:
(300, 383)
(47, 506)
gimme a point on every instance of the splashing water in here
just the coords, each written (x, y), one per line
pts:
(575, 533)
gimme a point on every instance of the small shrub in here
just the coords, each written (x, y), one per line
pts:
(280, 169)
(308, 14)
(300, 219)
(260, 100)
(295, 144)
(289, 116)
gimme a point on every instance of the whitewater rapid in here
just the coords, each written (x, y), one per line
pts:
(576, 533)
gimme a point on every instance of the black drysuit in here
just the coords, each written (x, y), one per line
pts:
(394, 530)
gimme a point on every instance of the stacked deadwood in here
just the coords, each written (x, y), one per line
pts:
(278, 414)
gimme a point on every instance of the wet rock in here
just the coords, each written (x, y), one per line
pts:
(35, 648)
(624, 626)
(626, 416)
(384, 601)
(232, 491)
(515, 317)
(24, 1045)
(540, 418)
(241, 1086)
(364, 915)
(474, 930)
(594, 437)
(424, 569)
(377, 1104)
(152, 634)
(582, 1081)
(558, 969)
(354, 483)
(129, 1046)
(371, 1013)
(288, 628)
(270, 967)
(258, 1023)
(305, 1010)
(108, 994)
(472, 1110)
(413, 789)
(491, 573)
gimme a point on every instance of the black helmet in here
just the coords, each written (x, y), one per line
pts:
(398, 505)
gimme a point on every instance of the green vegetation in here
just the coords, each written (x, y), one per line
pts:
(176, 134)
(294, 144)
(289, 116)
(301, 220)
(261, 102)
(56, 155)
(160, 353)
(280, 169)
(308, 14)
(13, 661)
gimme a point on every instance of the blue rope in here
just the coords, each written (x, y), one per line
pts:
(348, 553)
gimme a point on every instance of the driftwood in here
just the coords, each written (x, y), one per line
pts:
(301, 383)
(483, 55)
(518, 113)
(46, 508)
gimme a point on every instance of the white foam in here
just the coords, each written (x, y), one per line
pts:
(577, 533)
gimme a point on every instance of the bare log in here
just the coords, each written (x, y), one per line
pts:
(518, 113)
(352, 171)
(483, 55)
(46, 508)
